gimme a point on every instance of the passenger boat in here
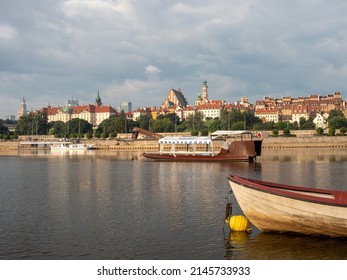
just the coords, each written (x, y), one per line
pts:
(70, 146)
(197, 148)
(283, 208)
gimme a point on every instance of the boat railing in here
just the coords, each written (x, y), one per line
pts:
(242, 135)
(186, 149)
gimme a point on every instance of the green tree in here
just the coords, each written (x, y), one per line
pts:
(3, 129)
(144, 121)
(320, 131)
(275, 132)
(335, 113)
(116, 124)
(239, 125)
(286, 132)
(229, 118)
(337, 122)
(76, 127)
(33, 123)
(57, 128)
(332, 131)
(343, 130)
(163, 125)
(204, 132)
(307, 124)
(195, 122)
(213, 124)
(97, 134)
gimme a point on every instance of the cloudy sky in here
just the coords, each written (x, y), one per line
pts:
(135, 50)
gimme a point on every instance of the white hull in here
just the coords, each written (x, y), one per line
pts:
(70, 147)
(270, 212)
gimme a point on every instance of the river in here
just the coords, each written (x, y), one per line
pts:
(117, 205)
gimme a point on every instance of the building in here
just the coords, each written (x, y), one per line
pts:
(126, 107)
(10, 117)
(175, 98)
(23, 109)
(268, 114)
(292, 109)
(211, 109)
(141, 111)
(320, 121)
(94, 114)
(188, 111)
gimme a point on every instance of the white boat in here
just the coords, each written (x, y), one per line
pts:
(283, 208)
(71, 146)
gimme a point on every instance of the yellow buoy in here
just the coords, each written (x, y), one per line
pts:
(239, 223)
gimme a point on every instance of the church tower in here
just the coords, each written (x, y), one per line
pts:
(205, 91)
(98, 100)
(23, 109)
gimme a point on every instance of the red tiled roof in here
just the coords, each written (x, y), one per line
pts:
(105, 109)
(78, 109)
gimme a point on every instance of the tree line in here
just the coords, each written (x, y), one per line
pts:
(36, 123)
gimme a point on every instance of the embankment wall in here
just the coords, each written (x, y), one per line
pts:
(307, 141)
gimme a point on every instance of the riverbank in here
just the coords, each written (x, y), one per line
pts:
(150, 145)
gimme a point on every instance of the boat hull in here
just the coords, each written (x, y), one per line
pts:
(271, 211)
(72, 147)
(201, 158)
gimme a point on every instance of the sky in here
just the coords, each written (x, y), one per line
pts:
(136, 51)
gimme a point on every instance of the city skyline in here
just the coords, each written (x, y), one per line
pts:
(192, 104)
(52, 51)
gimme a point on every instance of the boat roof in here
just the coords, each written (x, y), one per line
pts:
(230, 132)
(185, 140)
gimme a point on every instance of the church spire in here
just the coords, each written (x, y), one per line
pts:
(205, 91)
(98, 100)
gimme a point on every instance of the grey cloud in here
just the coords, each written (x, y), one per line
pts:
(56, 49)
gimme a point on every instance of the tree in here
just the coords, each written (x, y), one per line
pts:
(33, 123)
(240, 125)
(195, 122)
(3, 129)
(213, 125)
(275, 132)
(307, 124)
(229, 118)
(57, 128)
(320, 131)
(143, 121)
(115, 124)
(335, 113)
(343, 130)
(332, 131)
(163, 125)
(337, 122)
(286, 132)
(77, 126)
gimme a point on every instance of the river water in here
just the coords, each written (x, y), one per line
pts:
(117, 205)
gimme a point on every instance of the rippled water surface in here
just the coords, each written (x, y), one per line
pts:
(109, 205)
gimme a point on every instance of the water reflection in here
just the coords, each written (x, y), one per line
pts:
(304, 155)
(277, 246)
(117, 205)
(311, 168)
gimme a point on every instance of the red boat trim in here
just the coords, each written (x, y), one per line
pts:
(198, 158)
(320, 196)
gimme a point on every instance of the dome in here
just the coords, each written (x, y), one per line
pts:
(67, 110)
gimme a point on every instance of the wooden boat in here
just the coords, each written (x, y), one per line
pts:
(283, 208)
(201, 149)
